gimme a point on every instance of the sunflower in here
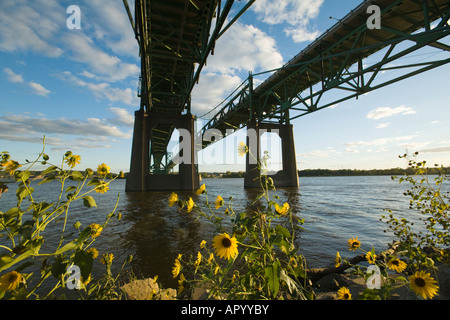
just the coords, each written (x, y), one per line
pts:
(10, 281)
(424, 285)
(73, 160)
(102, 188)
(173, 199)
(337, 260)
(201, 190)
(353, 244)
(218, 202)
(11, 166)
(198, 261)
(282, 210)
(242, 149)
(225, 246)
(103, 169)
(93, 252)
(107, 258)
(344, 294)
(176, 268)
(190, 205)
(371, 257)
(396, 265)
(181, 282)
(96, 230)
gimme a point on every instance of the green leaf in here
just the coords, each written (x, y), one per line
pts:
(46, 180)
(71, 188)
(283, 231)
(272, 274)
(22, 175)
(89, 202)
(84, 260)
(71, 245)
(48, 170)
(94, 182)
(76, 176)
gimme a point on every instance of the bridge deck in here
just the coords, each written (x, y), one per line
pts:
(328, 58)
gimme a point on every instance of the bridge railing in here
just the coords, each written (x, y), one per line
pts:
(238, 100)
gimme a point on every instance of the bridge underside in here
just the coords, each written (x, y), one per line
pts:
(348, 59)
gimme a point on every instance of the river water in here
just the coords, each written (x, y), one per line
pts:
(334, 208)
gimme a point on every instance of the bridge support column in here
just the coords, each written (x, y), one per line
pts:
(139, 177)
(288, 176)
(140, 153)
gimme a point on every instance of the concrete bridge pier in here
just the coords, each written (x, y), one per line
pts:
(139, 177)
(288, 176)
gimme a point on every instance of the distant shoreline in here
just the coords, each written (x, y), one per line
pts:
(331, 173)
(6, 178)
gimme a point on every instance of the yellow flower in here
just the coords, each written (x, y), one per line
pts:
(107, 258)
(371, 257)
(181, 283)
(225, 246)
(202, 244)
(201, 190)
(102, 188)
(424, 285)
(198, 261)
(344, 294)
(210, 259)
(93, 252)
(353, 244)
(396, 265)
(282, 210)
(10, 281)
(73, 160)
(11, 166)
(103, 169)
(96, 230)
(219, 202)
(242, 149)
(337, 260)
(173, 199)
(216, 270)
(190, 204)
(293, 262)
(176, 268)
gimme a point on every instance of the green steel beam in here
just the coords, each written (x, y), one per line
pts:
(342, 64)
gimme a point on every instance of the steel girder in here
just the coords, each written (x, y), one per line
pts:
(348, 59)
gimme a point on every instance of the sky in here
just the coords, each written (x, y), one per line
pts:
(78, 88)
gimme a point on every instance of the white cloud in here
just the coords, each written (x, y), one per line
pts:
(296, 14)
(241, 49)
(43, 126)
(103, 90)
(39, 89)
(35, 87)
(385, 112)
(383, 125)
(110, 68)
(211, 91)
(31, 26)
(13, 77)
(112, 26)
(301, 35)
(244, 48)
(123, 117)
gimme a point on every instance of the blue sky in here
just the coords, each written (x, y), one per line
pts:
(78, 88)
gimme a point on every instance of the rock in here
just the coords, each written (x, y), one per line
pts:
(147, 289)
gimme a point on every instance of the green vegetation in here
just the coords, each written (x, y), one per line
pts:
(254, 255)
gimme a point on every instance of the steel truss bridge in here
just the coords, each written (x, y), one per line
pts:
(347, 61)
